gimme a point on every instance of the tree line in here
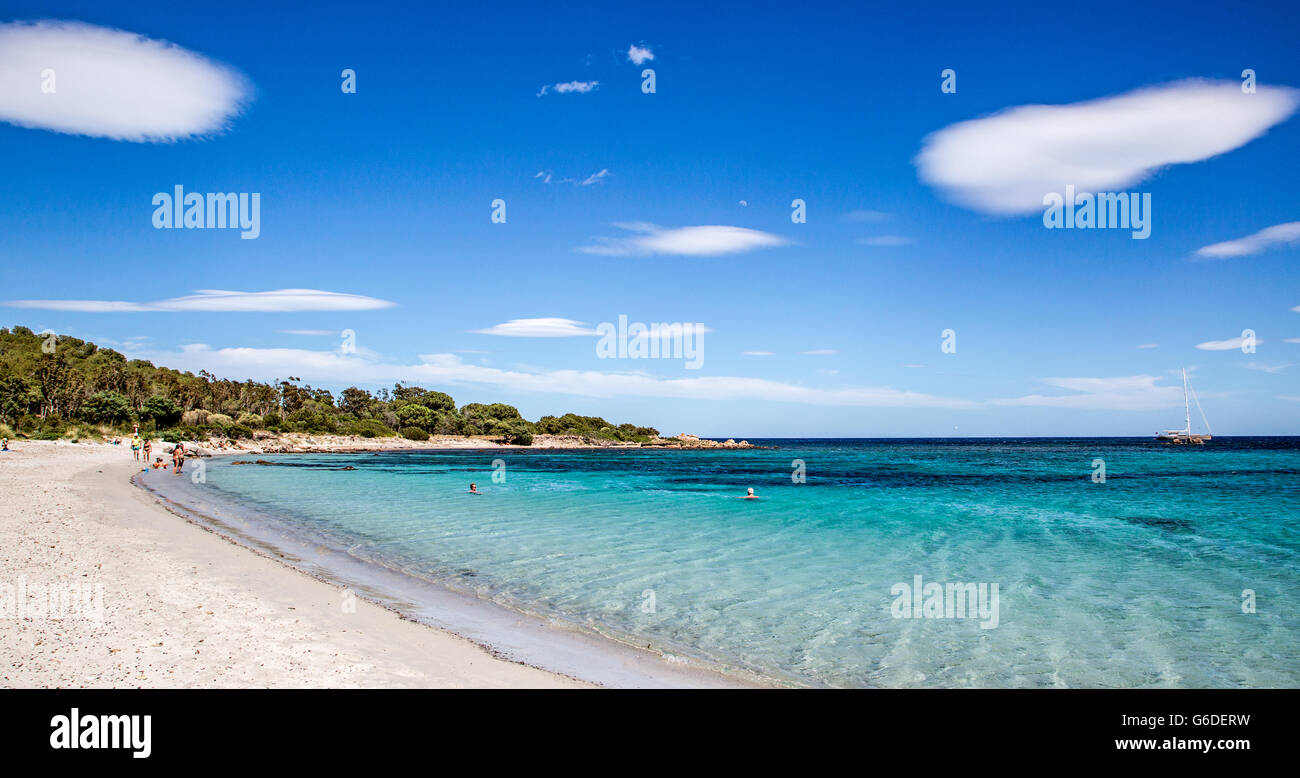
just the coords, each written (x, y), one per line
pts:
(49, 384)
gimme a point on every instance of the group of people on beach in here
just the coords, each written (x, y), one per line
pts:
(142, 449)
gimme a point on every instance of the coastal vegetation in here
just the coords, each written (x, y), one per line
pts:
(55, 387)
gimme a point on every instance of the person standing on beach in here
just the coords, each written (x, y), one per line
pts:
(135, 447)
(147, 449)
(178, 458)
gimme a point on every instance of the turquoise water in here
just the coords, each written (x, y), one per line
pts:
(1134, 582)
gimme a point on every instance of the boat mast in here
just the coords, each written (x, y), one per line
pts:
(1187, 409)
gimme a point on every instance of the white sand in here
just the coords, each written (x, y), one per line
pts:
(183, 607)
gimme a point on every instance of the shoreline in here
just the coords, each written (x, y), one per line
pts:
(185, 606)
(309, 443)
(549, 643)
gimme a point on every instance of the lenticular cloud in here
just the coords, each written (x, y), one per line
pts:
(1005, 163)
(79, 79)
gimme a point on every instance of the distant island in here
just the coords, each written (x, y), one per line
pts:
(55, 387)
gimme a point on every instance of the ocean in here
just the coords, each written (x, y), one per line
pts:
(1109, 562)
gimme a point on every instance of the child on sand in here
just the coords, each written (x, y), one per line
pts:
(135, 447)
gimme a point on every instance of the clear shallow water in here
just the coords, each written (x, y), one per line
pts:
(1135, 582)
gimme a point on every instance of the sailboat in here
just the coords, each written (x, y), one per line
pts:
(1185, 436)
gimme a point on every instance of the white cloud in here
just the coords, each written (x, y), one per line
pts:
(703, 241)
(1291, 340)
(112, 84)
(1268, 368)
(1266, 238)
(1223, 345)
(639, 55)
(594, 178)
(539, 328)
(1005, 163)
(758, 353)
(886, 240)
(1148, 345)
(1293, 398)
(217, 301)
(568, 87)
(821, 352)
(446, 369)
(1124, 393)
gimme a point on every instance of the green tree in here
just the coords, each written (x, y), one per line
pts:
(107, 408)
(415, 416)
(161, 410)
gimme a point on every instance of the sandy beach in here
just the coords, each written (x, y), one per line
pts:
(183, 607)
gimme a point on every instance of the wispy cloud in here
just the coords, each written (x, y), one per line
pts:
(821, 352)
(1005, 163)
(1268, 368)
(1277, 235)
(758, 353)
(569, 87)
(1148, 345)
(886, 240)
(1124, 393)
(320, 333)
(448, 369)
(1224, 345)
(218, 301)
(112, 84)
(709, 240)
(639, 55)
(539, 328)
(594, 178)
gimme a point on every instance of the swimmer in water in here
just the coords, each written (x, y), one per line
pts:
(473, 489)
(749, 495)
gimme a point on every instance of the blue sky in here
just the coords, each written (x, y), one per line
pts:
(386, 194)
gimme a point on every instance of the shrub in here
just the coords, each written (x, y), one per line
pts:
(367, 428)
(239, 431)
(514, 431)
(195, 418)
(220, 420)
(250, 420)
(414, 433)
(170, 436)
